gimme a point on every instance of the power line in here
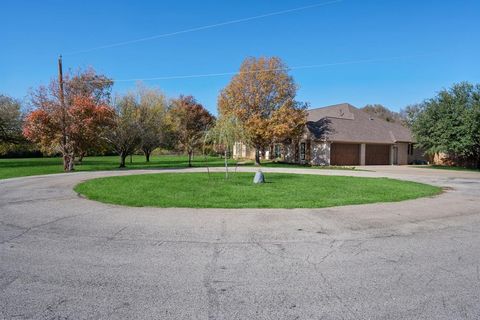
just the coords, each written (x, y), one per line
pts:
(311, 66)
(211, 26)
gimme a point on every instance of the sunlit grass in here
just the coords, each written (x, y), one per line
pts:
(202, 190)
(10, 168)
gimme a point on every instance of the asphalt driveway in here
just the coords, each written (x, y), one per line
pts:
(64, 257)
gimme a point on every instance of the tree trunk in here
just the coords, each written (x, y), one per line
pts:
(65, 162)
(80, 157)
(68, 162)
(257, 156)
(147, 155)
(226, 164)
(190, 153)
(123, 156)
(71, 164)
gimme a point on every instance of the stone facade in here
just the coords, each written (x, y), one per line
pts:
(320, 153)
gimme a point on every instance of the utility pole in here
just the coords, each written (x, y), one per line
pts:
(60, 80)
(66, 157)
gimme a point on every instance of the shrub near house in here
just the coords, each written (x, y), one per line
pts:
(448, 125)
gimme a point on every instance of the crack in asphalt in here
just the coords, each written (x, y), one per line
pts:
(112, 237)
(15, 202)
(210, 272)
(27, 229)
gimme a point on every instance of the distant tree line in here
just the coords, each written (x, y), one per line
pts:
(379, 111)
(92, 122)
(257, 107)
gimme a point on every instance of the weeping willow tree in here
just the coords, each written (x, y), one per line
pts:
(227, 131)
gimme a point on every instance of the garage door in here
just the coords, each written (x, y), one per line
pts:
(344, 154)
(377, 154)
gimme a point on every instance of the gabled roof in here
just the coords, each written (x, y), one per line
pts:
(349, 124)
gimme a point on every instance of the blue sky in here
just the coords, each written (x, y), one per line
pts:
(416, 47)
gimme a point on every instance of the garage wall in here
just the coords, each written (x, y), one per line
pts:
(402, 157)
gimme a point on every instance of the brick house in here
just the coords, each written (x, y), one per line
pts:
(343, 135)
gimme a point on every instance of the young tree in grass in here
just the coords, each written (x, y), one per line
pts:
(189, 121)
(227, 131)
(10, 123)
(261, 89)
(152, 109)
(54, 124)
(126, 134)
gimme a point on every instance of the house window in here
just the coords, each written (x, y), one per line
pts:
(410, 149)
(276, 151)
(302, 151)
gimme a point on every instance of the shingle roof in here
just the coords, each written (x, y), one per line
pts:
(349, 124)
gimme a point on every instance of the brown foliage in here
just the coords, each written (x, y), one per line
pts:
(189, 121)
(262, 96)
(78, 125)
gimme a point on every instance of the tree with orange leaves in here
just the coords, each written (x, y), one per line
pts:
(262, 96)
(77, 125)
(86, 120)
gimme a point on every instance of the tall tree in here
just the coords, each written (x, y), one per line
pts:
(259, 95)
(87, 123)
(126, 134)
(56, 113)
(91, 122)
(189, 121)
(152, 109)
(10, 122)
(450, 123)
(88, 83)
(410, 114)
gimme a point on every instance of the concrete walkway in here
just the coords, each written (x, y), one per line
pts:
(64, 257)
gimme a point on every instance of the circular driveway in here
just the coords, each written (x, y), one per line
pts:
(65, 257)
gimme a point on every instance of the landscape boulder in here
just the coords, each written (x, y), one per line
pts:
(259, 177)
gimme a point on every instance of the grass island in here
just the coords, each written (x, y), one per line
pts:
(202, 190)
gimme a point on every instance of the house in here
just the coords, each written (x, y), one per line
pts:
(343, 135)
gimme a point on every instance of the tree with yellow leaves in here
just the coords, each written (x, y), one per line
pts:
(262, 96)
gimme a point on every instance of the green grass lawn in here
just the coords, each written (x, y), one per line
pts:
(10, 168)
(448, 168)
(34, 166)
(200, 190)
